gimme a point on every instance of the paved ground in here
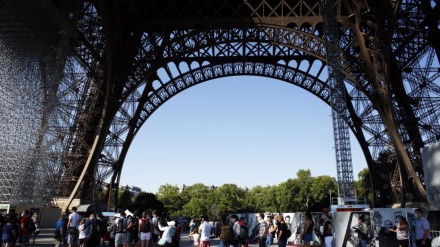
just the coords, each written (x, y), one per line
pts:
(44, 239)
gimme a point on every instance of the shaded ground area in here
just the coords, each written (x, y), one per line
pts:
(44, 239)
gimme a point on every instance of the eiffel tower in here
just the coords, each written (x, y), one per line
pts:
(80, 78)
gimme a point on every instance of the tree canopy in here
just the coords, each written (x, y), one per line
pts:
(303, 193)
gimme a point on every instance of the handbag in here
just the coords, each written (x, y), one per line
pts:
(162, 241)
(56, 234)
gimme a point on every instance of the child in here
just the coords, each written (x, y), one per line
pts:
(196, 237)
(82, 232)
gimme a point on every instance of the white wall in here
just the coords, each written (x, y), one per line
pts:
(431, 167)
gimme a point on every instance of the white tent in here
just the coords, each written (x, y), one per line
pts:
(127, 213)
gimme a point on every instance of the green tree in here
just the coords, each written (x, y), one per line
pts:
(304, 184)
(322, 187)
(363, 185)
(198, 190)
(270, 200)
(124, 199)
(286, 195)
(257, 199)
(144, 201)
(169, 195)
(195, 208)
(228, 198)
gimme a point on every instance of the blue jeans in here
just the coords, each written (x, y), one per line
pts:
(269, 240)
(224, 243)
(362, 242)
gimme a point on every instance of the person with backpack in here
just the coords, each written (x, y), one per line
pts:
(145, 229)
(235, 230)
(168, 233)
(93, 235)
(225, 234)
(121, 229)
(72, 228)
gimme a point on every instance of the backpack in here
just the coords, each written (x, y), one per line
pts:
(122, 225)
(93, 231)
(102, 227)
(243, 233)
(225, 233)
(171, 231)
(288, 233)
(31, 225)
(146, 226)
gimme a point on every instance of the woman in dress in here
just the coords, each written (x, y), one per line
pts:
(401, 232)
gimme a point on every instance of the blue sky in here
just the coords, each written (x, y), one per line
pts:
(244, 130)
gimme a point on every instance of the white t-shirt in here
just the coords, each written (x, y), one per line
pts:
(196, 238)
(74, 219)
(206, 231)
(82, 232)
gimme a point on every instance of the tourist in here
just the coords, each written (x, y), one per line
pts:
(423, 237)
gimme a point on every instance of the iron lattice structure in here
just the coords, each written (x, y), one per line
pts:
(108, 65)
(341, 133)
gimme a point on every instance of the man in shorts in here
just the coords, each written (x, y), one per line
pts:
(72, 228)
(121, 224)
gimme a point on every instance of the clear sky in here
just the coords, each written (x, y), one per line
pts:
(244, 130)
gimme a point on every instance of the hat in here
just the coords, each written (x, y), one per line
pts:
(172, 223)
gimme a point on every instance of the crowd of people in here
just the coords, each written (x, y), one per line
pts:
(137, 230)
(234, 232)
(148, 230)
(19, 229)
